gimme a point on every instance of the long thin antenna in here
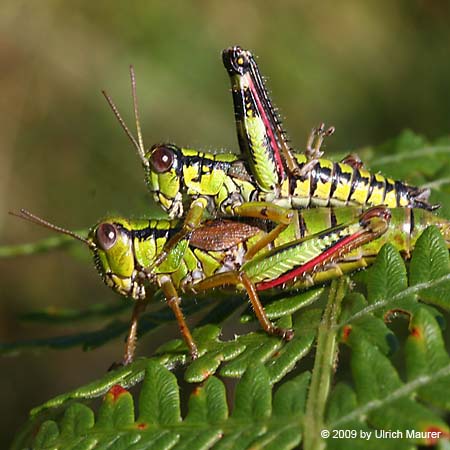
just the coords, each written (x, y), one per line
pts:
(138, 146)
(30, 217)
(136, 111)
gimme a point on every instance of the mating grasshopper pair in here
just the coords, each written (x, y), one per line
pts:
(307, 252)
(306, 247)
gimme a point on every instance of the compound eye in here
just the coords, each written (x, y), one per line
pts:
(241, 59)
(106, 235)
(239, 56)
(162, 159)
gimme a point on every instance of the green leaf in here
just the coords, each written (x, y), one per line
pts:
(117, 408)
(208, 403)
(375, 380)
(425, 355)
(253, 396)
(288, 305)
(430, 262)
(368, 327)
(159, 400)
(251, 424)
(387, 277)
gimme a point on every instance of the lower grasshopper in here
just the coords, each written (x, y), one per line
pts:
(320, 244)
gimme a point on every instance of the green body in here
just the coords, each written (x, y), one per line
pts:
(261, 174)
(123, 266)
(226, 181)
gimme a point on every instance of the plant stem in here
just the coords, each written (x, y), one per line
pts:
(44, 245)
(324, 364)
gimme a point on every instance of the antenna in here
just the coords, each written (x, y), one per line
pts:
(136, 111)
(138, 145)
(30, 217)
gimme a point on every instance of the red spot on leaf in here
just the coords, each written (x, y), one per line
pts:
(416, 332)
(346, 332)
(206, 373)
(196, 391)
(141, 426)
(435, 433)
(116, 391)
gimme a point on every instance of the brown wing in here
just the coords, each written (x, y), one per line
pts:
(217, 235)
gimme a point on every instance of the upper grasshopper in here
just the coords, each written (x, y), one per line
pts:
(318, 245)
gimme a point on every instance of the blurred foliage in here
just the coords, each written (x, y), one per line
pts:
(371, 69)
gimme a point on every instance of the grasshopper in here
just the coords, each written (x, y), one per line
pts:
(318, 245)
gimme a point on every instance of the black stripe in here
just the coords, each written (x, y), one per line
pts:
(371, 186)
(148, 232)
(324, 173)
(313, 182)
(292, 185)
(398, 191)
(302, 224)
(263, 94)
(333, 218)
(412, 221)
(335, 179)
(355, 181)
(388, 188)
(404, 191)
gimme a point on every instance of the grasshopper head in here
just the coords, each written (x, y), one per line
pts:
(164, 177)
(111, 244)
(112, 247)
(236, 60)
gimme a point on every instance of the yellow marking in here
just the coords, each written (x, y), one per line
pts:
(390, 200)
(376, 198)
(302, 188)
(342, 191)
(403, 201)
(326, 164)
(301, 158)
(165, 202)
(284, 189)
(361, 191)
(323, 188)
(240, 61)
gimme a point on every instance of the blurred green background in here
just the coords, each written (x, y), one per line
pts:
(370, 68)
